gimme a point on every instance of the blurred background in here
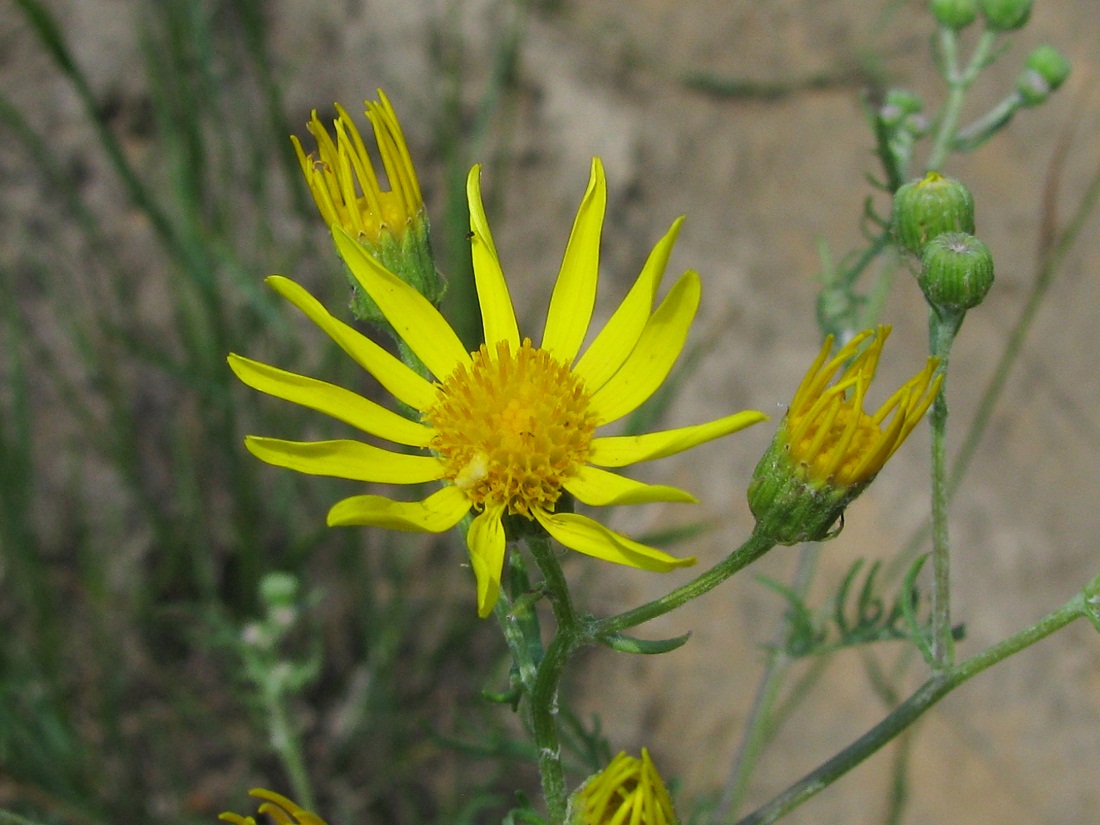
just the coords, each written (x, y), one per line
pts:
(148, 186)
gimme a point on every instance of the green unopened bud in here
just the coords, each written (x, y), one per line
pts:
(955, 14)
(1050, 64)
(1006, 15)
(279, 589)
(956, 271)
(1032, 88)
(898, 105)
(1046, 70)
(926, 208)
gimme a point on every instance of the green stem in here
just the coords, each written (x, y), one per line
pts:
(974, 135)
(518, 620)
(1050, 266)
(285, 743)
(544, 695)
(958, 83)
(761, 723)
(938, 686)
(942, 327)
(544, 727)
(757, 545)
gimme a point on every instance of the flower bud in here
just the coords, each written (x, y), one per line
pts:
(956, 271)
(955, 14)
(391, 224)
(926, 208)
(828, 447)
(1006, 15)
(1050, 64)
(898, 105)
(278, 589)
(1046, 69)
(627, 790)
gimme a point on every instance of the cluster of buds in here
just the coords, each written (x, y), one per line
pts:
(999, 15)
(934, 220)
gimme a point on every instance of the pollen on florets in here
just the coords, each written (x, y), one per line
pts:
(512, 428)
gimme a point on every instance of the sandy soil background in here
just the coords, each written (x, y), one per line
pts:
(760, 181)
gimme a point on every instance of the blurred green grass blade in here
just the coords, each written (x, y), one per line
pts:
(49, 34)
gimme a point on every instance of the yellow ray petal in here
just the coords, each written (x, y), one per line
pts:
(400, 381)
(341, 404)
(658, 348)
(593, 539)
(622, 450)
(440, 511)
(346, 459)
(486, 543)
(498, 316)
(575, 290)
(599, 488)
(619, 336)
(412, 315)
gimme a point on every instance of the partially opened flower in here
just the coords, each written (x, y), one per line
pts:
(628, 791)
(509, 430)
(828, 449)
(391, 223)
(276, 806)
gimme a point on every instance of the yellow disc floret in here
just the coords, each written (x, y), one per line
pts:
(511, 428)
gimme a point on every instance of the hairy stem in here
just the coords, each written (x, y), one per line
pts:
(544, 695)
(938, 686)
(757, 545)
(942, 327)
(958, 84)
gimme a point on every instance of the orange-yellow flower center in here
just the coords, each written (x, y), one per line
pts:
(512, 428)
(833, 440)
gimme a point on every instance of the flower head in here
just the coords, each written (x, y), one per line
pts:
(280, 809)
(828, 449)
(342, 177)
(509, 430)
(628, 791)
(391, 224)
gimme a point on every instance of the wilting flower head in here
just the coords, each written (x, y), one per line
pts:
(276, 806)
(828, 449)
(509, 430)
(628, 791)
(392, 223)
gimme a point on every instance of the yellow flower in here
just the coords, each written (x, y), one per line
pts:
(276, 806)
(828, 449)
(391, 225)
(509, 429)
(343, 180)
(628, 791)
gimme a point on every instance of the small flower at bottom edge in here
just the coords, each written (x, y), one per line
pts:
(276, 806)
(628, 790)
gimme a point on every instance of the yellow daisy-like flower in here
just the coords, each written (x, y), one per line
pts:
(343, 180)
(281, 810)
(828, 449)
(508, 429)
(628, 791)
